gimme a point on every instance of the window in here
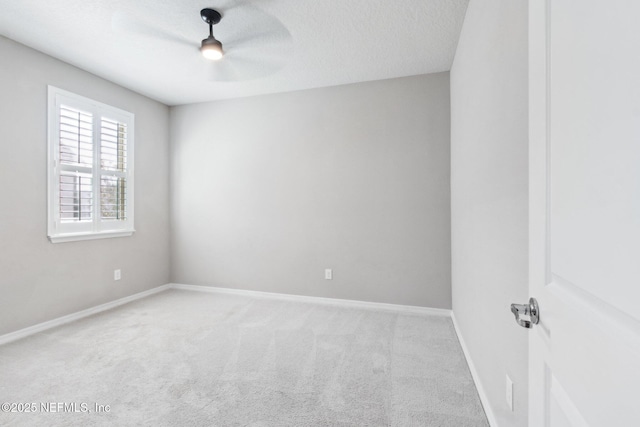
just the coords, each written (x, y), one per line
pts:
(90, 169)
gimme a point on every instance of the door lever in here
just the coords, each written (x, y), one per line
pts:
(530, 310)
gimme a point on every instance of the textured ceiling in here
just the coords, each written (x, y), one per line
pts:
(151, 46)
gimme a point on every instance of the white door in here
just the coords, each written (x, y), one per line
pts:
(584, 73)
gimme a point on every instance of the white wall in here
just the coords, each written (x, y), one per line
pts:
(489, 197)
(269, 191)
(39, 280)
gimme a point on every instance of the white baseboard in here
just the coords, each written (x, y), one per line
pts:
(40, 327)
(317, 300)
(484, 398)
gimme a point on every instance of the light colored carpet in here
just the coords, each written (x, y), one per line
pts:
(182, 358)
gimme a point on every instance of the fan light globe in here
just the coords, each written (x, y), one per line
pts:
(211, 49)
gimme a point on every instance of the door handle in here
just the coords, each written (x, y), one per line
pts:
(530, 310)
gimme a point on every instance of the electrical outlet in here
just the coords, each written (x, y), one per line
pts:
(509, 393)
(117, 274)
(328, 274)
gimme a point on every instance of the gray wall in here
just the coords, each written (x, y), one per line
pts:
(489, 196)
(269, 191)
(39, 280)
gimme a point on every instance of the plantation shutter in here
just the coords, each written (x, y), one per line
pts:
(90, 169)
(113, 165)
(76, 149)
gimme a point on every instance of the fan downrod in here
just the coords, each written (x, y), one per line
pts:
(210, 16)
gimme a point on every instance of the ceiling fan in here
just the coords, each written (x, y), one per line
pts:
(256, 44)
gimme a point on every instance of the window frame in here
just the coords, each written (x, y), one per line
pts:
(97, 228)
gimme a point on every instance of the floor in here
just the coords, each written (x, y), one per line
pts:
(193, 358)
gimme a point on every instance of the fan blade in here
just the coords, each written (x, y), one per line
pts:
(239, 68)
(274, 34)
(123, 22)
(227, 5)
(247, 63)
(226, 72)
(224, 6)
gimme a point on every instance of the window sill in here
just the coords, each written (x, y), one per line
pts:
(74, 237)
